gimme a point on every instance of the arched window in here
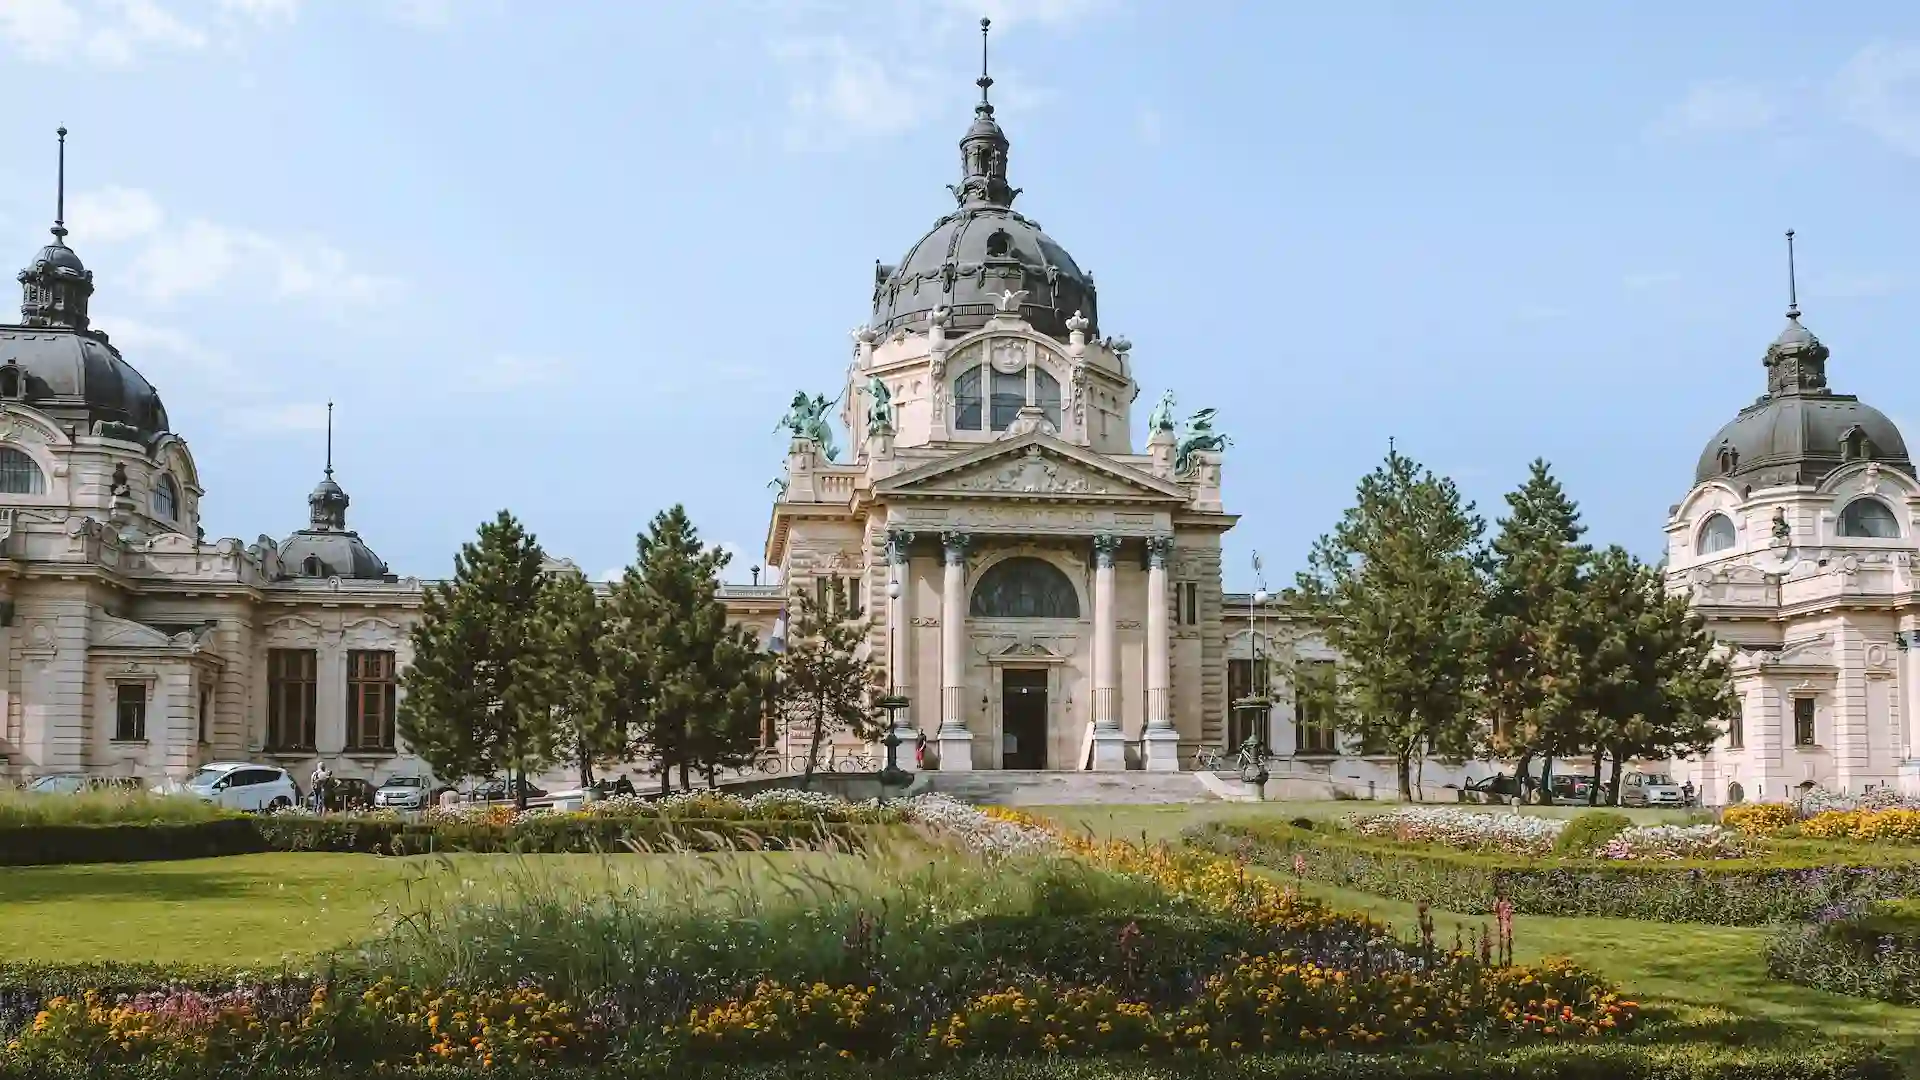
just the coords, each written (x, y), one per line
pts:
(19, 475)
(313, 567)
(166, 498)
(1869, 517)
(1715, 535)
(966, 401)
(1736, 794)
(1024, 588)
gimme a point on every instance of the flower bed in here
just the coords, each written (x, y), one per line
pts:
(1514, 834)
(1649, 842)
(1867, 950)
(1775, 887)
(1881, 814)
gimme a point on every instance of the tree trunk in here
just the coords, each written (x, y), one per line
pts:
(1523, 778)
(666, 776)
(1613, 784)
(1546, 781)
(713, 777)
(1593, 790)
(813, 747)
(685, 785)
(586, 766)
(1404, 764)
(516, 783)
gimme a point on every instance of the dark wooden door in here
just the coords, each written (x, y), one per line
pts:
(1023, 718)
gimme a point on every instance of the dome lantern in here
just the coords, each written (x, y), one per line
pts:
(56, 286)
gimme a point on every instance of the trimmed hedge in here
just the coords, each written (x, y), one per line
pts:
(1729, 892)
(46, 845)
(1871, 952)
(1549, 1061)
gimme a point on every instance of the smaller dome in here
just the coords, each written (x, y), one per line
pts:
(58, 257)
(312, 553)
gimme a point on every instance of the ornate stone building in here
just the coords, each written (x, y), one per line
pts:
(1797, 544)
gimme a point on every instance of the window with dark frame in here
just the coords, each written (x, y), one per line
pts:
(20, 474)
(967, 400)
(1803, 721)
(291, 693)
(130, 712)
(1313, 720)
(206, 712)
(1736, 731)
(371, 687)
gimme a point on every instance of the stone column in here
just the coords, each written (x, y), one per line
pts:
(956, 742)
(900, 642)
(1109, 742)
(1162, 746)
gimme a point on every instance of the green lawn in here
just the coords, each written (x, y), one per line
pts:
(263, 909)
(1685, 967)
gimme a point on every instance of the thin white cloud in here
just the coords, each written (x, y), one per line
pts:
(167, 355)
(263, 11)
(1878, 90)
(119, 33)
(1720, 105)
(279, 419)
(850, 93)
(112, 215)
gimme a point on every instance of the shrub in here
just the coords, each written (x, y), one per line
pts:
(1791, 884)
(104, 807)
(1866, 950)
(1589, 832)
(1867, 826)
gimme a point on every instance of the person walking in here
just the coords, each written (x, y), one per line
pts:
(1686, 793)
(317, 791)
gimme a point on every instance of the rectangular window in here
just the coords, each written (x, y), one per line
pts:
(856, 598)
(1313, 716)
(966, 400)
(370, 696)
(1239, 686)
(290, 698)
(130, 712)
(1736, 731)
(1190, 603)
(206, 713)
(1008, 398)
(1803, 721)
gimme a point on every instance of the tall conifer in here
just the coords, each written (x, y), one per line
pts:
(586, 733)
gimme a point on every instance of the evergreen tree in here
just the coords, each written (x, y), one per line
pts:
(1535, 673)
(731, 734)
(479, 693)
(669, 657)
(586, 732)
(1658, 685)
(1395, 589)
(825, 680)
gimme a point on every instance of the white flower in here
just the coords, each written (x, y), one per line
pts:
(1514, 834)
(1675, 842)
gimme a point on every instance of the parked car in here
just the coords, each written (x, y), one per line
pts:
(348, 792)
(495, 790)
(1650, 789)
(241, 785)
(75, 783)
(403, 793)
(1497, 784)
(1572, 787)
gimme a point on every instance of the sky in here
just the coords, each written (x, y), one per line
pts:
(571, 259)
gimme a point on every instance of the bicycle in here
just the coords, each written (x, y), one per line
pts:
(1210, 759)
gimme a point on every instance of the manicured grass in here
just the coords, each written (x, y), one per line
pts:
(268, 909)
(1694, 970)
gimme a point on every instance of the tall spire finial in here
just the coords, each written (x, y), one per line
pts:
(60, 192)
(329, 440)
(1793, 282)
(985, 80)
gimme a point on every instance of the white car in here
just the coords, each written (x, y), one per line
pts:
(403, 793)
(1651, 789)
(243, 786)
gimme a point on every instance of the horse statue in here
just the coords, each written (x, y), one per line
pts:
(1161, 418)
(1199, 436)
(807, 419)
(879, 408)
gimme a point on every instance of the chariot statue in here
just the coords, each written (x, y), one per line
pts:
(1199, 435)
(1161, 418)
(807, 419)
(879, 408)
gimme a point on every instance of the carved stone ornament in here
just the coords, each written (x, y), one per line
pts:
(1009, 355)
(1033, 473)
(1127, 624)
(926, 620)
(1877, 655)
(1009, 301)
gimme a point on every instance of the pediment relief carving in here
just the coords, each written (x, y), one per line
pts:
(1807, 652)
(107, 632)
(1034, 473)
(1036, 644)
(18, 427)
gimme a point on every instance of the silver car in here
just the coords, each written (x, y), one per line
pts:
(403, 793)
(1651, 789)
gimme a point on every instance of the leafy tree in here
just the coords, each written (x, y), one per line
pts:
(825, 680)
(1395, 589)
(670, 660)
(1534, 672)
(479, 692)
(586, 729)
(1658, 686)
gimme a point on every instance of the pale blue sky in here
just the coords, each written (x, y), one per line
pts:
(571, 258)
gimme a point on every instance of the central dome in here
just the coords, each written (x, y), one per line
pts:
(985, 249)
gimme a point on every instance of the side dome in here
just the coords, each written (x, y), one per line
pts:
(1799, 431)
(976, 255)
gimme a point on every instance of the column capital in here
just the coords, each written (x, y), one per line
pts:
(1105, 546)
(898, 540)
(1159, 551)
(956, 545)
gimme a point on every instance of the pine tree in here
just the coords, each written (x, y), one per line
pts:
(1535, 672)
(1659, 688)
(1395, 589)
(573, 618)
(479, 692)
(730, 734)
(669, 658)
(825, 681)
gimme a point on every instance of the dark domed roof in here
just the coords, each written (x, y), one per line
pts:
(312, 553)
(1799, 430)
(983, 250)
(57, 256)
(78, 375)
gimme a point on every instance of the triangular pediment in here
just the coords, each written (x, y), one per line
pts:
(112, 633)
(1031, 466)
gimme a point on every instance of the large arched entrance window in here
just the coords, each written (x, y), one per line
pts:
(1024, 588)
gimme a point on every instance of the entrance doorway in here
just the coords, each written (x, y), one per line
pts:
(1023, 718)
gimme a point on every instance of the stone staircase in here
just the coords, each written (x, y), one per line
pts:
(1010, 787)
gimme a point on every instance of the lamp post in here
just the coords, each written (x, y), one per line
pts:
(893, 776)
